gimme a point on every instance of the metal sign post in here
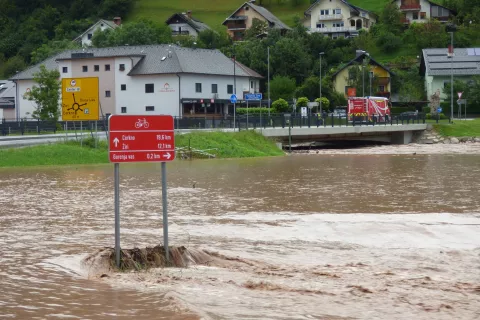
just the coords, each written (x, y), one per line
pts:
(233, 99)
(254, 97)
(135, 138)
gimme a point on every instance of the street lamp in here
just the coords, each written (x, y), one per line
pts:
(363, 81)
(268, 62)
(234, 86)
(321, 54)
(451, 28)
(370, 74)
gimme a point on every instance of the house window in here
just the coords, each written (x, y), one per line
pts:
(320, 25)
(251, 84)
(198, 87)
(89, 36)
(123, 87)
(96, 68)
(381, 88)
(122, 67)
(149, 88)
(338, 24)
(107, 94)
(324, 12)
(214, 88)
(423, 15)
(415, 15)
(85, 68)
(351, 74)
(149, 108)
(446, 83)
(124, 110)
(107, 67)
(65, 69)
(230, 89)
(337, 11)
(370, 74)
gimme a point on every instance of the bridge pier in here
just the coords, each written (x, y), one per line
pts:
(402, 137)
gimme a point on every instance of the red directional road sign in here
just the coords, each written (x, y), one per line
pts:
(136, 138)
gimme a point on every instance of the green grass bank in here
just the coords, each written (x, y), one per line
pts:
(221, 144)
(460, 128)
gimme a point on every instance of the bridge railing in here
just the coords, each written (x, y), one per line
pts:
(242, 122)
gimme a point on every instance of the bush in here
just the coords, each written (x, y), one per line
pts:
(426, 109)
(255, 110)
(398, 110)
(280, 106)
(434, 116)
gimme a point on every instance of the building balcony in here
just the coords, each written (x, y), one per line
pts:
(384, 94)
(236, 26)
(410, 7)
(325, 17)
(180, 33)
(334, 29)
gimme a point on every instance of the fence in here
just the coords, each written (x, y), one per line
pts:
(33, 126)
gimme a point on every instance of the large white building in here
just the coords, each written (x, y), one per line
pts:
(337, 18)
(85, 39)
(155, 79)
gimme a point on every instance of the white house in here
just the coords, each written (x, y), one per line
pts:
(185, 24)
(420, 11)
(155, 79)
(7, 99)
(85, 39)
(337, 18)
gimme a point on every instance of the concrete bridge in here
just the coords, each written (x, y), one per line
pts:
(390, 133)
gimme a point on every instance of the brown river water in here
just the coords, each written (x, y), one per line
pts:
(378, 233)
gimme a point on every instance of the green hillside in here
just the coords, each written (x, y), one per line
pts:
(214, 12)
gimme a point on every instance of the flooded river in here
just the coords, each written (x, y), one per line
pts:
(327, 236)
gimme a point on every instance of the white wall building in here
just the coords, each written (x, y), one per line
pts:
(85, 39)
(183, 24)
(420, 11)
(156, 79)
(337, 18)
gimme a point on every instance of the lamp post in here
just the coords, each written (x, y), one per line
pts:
(451, 76)
(370, 74)
(363, 81)
(268, 62)
(234, 86)
(321, 54)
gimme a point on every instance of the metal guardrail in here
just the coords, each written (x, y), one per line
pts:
(242, 122)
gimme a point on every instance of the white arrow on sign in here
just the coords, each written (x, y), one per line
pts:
(167, 155)
(116, 141)
(459, 95)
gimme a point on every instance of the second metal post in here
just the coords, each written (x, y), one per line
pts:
(165, 212)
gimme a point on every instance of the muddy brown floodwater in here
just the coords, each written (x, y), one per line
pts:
(338, 235)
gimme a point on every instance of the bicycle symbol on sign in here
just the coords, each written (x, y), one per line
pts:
(142, 123)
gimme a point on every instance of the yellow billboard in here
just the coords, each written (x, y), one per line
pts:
(80, 101)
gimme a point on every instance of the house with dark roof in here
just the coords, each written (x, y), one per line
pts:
(152, 79)
(337, 18)
(420, 11)
(242, 18)
(7, 100)
(186, 25)
(377, 83)
(437, 67)
(85, 39)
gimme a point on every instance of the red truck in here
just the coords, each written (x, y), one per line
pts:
(368, 109)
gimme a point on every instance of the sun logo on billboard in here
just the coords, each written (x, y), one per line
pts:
(73, 83)
(166, 86)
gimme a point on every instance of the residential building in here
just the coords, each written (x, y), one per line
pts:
(7, 99)
(337, 18)
(437, 68)
(242, 18)
(154, 79)
(85, 39)
(420, 11)
(183, 24)
(380, 75)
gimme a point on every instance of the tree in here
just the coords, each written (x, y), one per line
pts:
(391, 18)
(289, 58)
(51, 48)
(302, 102)
(282, 87)
(211, 39)
(325, 104)
(258, 27)
(280, 106)
(46, 94)
(12, 66)
(141, 32)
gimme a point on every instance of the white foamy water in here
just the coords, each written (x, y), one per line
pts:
(383, 236)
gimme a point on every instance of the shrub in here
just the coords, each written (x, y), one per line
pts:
(254, 110)
(280, 106)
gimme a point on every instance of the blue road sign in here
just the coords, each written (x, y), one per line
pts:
(439, 109)
(233, 98)
(253, 96)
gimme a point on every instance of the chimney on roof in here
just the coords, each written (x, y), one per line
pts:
(117, 21)
(358, 53)
(189, 14)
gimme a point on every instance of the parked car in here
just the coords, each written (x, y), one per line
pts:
(409, 115)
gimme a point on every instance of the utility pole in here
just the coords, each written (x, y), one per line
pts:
(321, 54)
(234, 86)
(451, 75)
(268, 62)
